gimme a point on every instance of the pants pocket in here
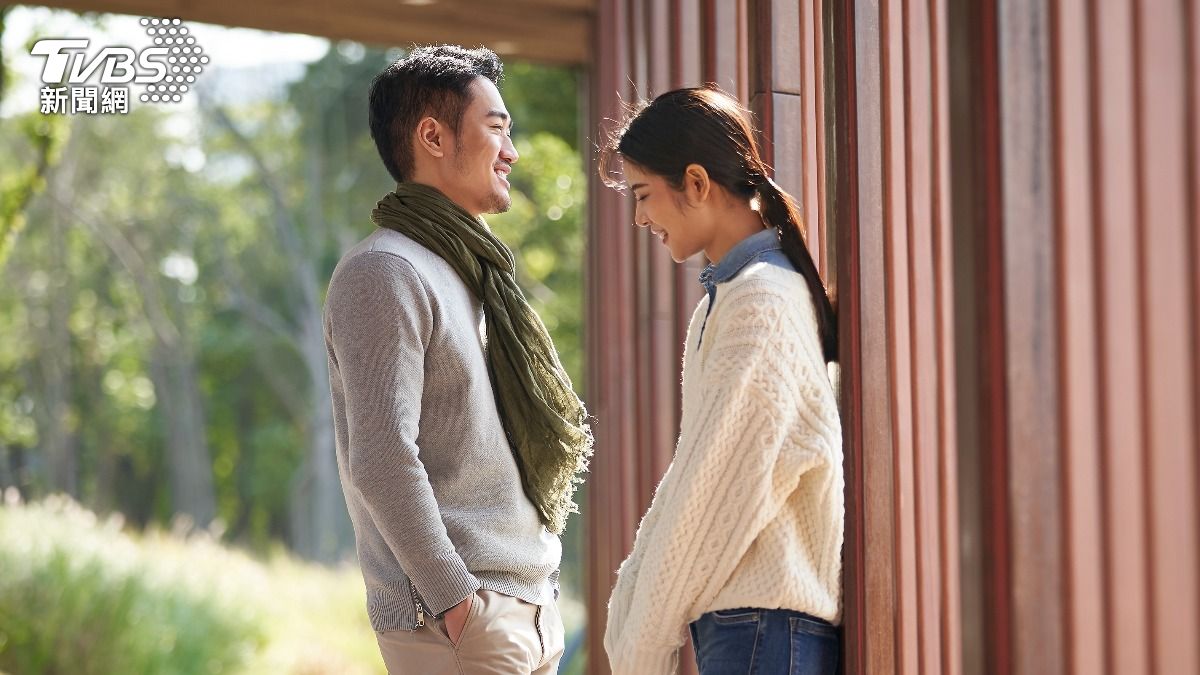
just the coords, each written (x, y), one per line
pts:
(437, 624)
(473, 613)
(815, 647)
(501, 637)
(726, 641)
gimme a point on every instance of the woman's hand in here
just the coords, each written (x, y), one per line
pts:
(456, 619)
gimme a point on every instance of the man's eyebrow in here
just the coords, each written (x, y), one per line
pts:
(636, 186)
(498, 113)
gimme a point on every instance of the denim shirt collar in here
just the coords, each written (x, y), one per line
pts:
(743, 253)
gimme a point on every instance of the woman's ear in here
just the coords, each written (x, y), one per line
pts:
(696, 183)
(431, 137)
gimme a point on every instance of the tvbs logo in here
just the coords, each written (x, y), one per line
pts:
(166, 71)
(66, 62)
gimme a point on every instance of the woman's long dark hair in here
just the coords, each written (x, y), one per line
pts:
(708, 127)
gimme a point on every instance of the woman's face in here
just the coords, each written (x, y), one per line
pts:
(665, 211)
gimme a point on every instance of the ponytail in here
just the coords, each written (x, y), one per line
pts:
(779, 211)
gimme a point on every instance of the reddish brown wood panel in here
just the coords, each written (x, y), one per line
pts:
(811, 123)
(1093, 477)
(909, 604)
(896, 302)
(726, 53)
(922, 308)
(855, 346)
(1122, 471)
(1167, 322)
(872, 644)
(645, 49)
(1192, 86)
(947, 488)
(1079, 411)
(613, 508)
(1031, 374)
(1016, 251)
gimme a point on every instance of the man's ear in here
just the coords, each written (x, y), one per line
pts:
(432, 137)
(696, 183)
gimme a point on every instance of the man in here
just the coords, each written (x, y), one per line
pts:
(459, 440)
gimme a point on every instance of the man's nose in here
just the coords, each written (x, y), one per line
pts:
(508, 151)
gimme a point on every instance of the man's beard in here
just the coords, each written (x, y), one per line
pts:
(498, 203)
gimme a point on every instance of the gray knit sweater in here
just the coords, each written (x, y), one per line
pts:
(430, 480)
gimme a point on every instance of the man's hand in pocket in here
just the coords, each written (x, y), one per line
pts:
(456, 618)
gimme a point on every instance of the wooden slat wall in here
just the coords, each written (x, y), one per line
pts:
(1080, 259)
(639, 300)
(1163, 78)
(1123, 481)
(614, 506)
(1077, 373)
(894, 258)
(787, 97)
(1021, 391)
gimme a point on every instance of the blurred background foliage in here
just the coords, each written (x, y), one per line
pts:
(164, 411)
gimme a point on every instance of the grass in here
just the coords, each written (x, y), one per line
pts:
(84, 594)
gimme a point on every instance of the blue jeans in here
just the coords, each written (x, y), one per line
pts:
(765, 642)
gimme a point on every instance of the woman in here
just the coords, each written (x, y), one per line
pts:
(743, 539)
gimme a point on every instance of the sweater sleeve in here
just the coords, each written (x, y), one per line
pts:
(381, 322)
(764, 382)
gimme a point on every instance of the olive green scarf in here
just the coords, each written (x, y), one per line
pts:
(545, 421)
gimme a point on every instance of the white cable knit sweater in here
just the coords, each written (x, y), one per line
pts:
(750, 513)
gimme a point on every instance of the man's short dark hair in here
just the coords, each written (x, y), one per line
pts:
(430, 81)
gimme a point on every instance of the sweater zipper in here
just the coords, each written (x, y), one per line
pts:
(417, 603)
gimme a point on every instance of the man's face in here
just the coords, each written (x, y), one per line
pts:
(481, 153)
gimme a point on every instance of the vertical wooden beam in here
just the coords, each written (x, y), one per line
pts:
(841, 162)
(644, 48)
(688, 36)
(896, 305)
(870, 480)
(1170, 345)
(978, 310)
(612, 511)
(1126, 583)
(1192, 86)
(826, 260)
(949, 596)
(1031, 377)
(775, 88)
(922, 309)
(726, 53)
(1071, 123)
(809, 191)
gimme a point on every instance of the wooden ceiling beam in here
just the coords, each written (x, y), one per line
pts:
(547, 31)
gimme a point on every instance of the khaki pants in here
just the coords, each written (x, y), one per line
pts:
(502, 636)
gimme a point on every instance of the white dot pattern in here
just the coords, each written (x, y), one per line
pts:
(183, 56)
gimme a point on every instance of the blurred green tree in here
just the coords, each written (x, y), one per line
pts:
(162, 350)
